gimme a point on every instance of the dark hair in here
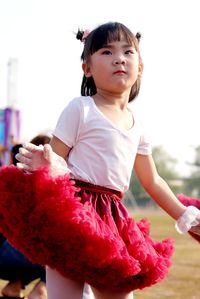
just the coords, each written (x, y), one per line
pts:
(40, 139)
(14, 152)
(112, 31)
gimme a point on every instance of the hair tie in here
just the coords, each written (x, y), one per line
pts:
(138, 36)
(85, 35)
(82, 35)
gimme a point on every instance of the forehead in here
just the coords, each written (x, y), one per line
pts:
(121, 43)
(117, 34)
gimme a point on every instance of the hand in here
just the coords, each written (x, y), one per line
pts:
(32, 157)
(195, 230)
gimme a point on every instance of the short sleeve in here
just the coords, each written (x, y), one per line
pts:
(68, 125)
(144, 146)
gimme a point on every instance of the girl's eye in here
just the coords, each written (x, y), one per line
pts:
(106, 52)
(129, 51)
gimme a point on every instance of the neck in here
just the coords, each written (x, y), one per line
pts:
(104, 98)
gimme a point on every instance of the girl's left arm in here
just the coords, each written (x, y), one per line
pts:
(156, 187)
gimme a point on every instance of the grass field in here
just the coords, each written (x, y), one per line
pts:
(183, 280)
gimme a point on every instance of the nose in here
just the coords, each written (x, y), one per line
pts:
(119, 60)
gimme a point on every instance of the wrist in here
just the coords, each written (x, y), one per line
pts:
(191, 217)
(59, 170)
(57, 165)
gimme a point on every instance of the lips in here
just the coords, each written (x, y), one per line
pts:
(119, 72)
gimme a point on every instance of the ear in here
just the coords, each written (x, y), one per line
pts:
(86, 69)
(140, 69)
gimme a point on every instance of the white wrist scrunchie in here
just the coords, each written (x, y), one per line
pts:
(190, 218)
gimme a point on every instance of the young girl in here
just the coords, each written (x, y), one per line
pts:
(76, 184)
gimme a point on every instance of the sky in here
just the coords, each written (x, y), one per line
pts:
(39, 34)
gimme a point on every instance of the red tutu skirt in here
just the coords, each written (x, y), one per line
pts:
(190, 201)
(81, 230)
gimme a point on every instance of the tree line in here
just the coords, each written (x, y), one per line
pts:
(166, 166)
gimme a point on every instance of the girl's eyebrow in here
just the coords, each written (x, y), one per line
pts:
(110, 46)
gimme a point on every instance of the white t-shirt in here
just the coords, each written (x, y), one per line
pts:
(101, 153)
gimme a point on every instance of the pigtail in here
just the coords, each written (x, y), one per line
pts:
(88, 87)
(136, 87)
(83, 35)
(138, 36)
(79, 35)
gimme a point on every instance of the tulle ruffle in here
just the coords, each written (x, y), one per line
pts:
(93, 241)
(189, 201)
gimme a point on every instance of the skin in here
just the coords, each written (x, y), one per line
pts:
(39, 291)
(14, 289)
(120, 64)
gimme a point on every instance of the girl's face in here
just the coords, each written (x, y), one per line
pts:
(114, 68)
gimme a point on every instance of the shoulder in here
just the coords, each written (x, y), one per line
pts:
(82, 106)
(145, 146)
(77, 109)
(73, 106)
(136, 115)
(79, 102)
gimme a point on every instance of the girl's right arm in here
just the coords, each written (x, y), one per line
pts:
(59, 147)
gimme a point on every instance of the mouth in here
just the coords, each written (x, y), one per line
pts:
(119, 72)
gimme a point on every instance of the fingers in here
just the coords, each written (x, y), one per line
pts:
(23, 166)
(32, 147)
(23, 159)
(26, 155)
(27, 151)
(24, 152)
(48, 152)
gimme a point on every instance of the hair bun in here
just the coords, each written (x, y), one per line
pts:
(80, 34)
(138, 36)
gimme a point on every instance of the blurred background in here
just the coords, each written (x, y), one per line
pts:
(40, 71)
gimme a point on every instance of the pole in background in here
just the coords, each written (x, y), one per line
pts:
(10, 116)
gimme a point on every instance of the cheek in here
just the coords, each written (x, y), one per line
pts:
(135, 69)
(100, 78)
(135, 64)
(99, 71)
